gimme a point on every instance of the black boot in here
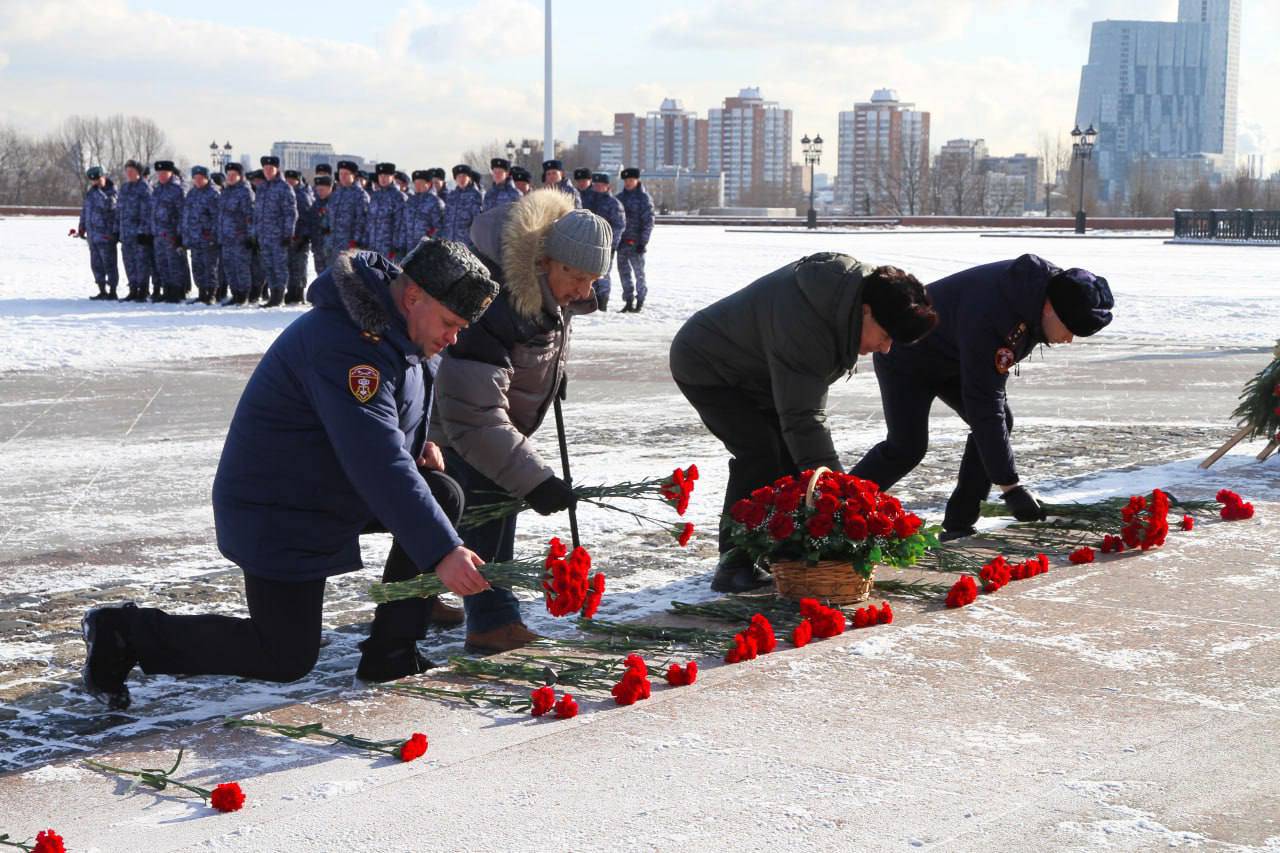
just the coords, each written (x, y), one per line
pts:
(220, 294)
(239, 298)
(255, 294)
(602, 302)
(952, 535)
(111, 294)
(628, 308)
(101, 294)
(639, 305)
(381, 661)
(108, 656)
(174, 295)
(277, 299)
(292, 295)
(157, 293)
(737, 572)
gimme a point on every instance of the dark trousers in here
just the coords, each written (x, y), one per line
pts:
(907, 396)
(103, 261)
(204, 267)
(751, 434)
(495, 542)
(280, 641)
(298, 267)
(137, 263)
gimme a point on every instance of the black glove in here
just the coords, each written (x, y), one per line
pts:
(1023, 504)
(640, 248)
(551, 496)
(145, 240)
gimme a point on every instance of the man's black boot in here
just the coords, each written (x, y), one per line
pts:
(101, 294)
(628, 308)
(277, 299)
(602, 302)
(958, 533)
(237, 298)
(639, 305)
(385, 661)
(737, 572)
(108, 656)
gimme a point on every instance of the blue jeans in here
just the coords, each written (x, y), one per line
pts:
(495, 542)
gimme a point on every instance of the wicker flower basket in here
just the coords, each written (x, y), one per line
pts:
(830, 581)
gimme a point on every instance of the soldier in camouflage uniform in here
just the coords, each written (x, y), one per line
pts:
(257, 272)
(582, 183)
(303, 234)
(423, 212)
(235, 234)
(275, 215)
(638, 205)
(219, 180)
(602, 203)
(348, 211)
(503, 190)
(200, 232)
(100, 226)
(167, 201)
(553, 176)
(384, 230)
(402, 184)
(462, 206)
(320, 230)
(437, 182)
(134, 209)
(521, 179)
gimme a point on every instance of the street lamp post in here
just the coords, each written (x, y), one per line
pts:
(1082, 150)
(812, 156)
(213, 156)
(511, 150)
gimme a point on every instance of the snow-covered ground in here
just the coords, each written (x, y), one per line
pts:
(112, 418)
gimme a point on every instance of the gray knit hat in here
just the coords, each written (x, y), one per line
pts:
(582, 240)
(451, 274)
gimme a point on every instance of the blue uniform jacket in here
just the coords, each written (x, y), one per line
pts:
(638, 205)
(348, 211)
(134, 207)
(981, 310)
(503, 193)
(99, 218)
(305, 228)
(235, 214)
(275, 212)
(610, 210)
(166, 210)
(325, 436)
(200, 216)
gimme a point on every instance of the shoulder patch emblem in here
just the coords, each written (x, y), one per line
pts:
(1004, 360)
(363, 381)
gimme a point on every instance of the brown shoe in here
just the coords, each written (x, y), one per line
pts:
(441, 615)
(504, 639)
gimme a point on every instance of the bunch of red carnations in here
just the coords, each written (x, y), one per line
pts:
(677, 488)
(634, 684)
(757, 640)
(849, 519)
(999, 572)
(1146, 522)
(1234, 507)
(544, 699)
(819, 621)
(568, 587)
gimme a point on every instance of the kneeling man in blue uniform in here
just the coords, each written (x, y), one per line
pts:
(328, 442)
(991, 317)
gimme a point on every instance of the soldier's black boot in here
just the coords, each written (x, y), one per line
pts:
(220, 294)
(174, 295)
(255, 294)
(628, 308)
(236, 298)
(388, 661)
(157, 292)
(108, 656)
(101, 294)
(952, 535)
(639, 305)
(277, 299)
(737, 572)
(602, 302)
(111, 294)
(292, 295)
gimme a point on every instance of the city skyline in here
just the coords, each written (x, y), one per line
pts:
(379, 86)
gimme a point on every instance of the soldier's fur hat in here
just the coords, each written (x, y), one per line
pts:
(385, 169)
(500, 163)
(451, 274)
(582, 174)
(630, 172)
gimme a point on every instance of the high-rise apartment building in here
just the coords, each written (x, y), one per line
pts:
(749, 140)
(302, 156)
(674, 136)
(882, 157)
(1158, 89)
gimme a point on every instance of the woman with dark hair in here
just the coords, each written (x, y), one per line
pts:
(757, 365)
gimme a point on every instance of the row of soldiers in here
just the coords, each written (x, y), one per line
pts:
(241, 238)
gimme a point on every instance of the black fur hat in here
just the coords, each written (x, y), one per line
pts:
(451, 274)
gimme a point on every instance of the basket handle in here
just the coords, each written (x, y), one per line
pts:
(813, 484)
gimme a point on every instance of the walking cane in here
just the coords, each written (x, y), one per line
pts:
(564, 463)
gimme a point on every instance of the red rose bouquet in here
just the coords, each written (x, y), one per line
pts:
(845, 519)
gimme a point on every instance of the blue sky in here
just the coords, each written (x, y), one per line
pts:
(419, 82)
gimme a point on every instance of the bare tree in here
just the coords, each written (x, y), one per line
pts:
(1055, 154)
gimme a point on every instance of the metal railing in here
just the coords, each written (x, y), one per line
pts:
(1227, 226)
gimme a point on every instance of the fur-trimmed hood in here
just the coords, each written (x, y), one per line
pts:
(512, 239)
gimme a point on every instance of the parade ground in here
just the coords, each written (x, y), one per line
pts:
(1128, 704)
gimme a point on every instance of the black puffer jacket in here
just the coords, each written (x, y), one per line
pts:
(781, 341)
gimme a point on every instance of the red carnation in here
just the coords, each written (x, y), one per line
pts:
(802, 634)
(820, 525)
(678, 676)
(691, 474)
(744, 648)
(1043, 559)
(762, 632)
(557, 550)
(634, 685)
(566, 708)
(414, 747)
(543, 699)
(964, 592)
(594, 596)
(865, 617)
(1188, 523)
(48, 841)
(1082, 555)
(781, 526)
(886, 614)
(227, 797)
(684, 534)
